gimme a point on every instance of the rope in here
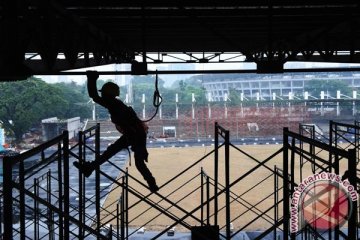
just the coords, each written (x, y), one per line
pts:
(157, 99)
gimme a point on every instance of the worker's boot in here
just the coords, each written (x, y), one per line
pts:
(85, 168)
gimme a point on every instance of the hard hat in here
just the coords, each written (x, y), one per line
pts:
(110, 89)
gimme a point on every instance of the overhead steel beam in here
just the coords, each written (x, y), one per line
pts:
(203, 3)
(76, 34)
(165, 72)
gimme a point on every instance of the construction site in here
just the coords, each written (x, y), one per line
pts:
(279, 167)
(209, 191)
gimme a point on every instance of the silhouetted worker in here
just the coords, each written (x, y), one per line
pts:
(133, 130)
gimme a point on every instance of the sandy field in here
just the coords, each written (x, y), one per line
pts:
(251, 197)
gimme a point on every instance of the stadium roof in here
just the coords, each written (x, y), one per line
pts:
(49, 36)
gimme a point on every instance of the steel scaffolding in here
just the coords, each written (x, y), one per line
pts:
(37, 190)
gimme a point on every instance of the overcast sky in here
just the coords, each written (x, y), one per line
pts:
(170, 78)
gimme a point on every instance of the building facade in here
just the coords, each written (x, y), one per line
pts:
(262, 86)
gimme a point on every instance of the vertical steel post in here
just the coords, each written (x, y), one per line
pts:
(22, 199)
(1, 215)
(292, 172)
(352, 179)
(49, 211)
(286, 205)
(126, 204)
(202, 196)
(83, 180)
(36, 208)
(7, 197)
(275, 199)
(227, 183)
(97, 178)
(301, 131)
(110, 233)
(332, 143)
(66, 199)
(336, 170)
(216, 173)
(117, 221)
(81, 190)
(357, 132)
(60, 187)
(207, 200)
(122, 199)
(312, 147)
(357, 147)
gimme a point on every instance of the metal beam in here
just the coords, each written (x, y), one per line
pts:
(224, 71)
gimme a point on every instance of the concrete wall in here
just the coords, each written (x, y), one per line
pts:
(53, 127)
(73, 126)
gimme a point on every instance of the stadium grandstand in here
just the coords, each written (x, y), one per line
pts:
(264, 86)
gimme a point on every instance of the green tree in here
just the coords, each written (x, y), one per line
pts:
(234, 97)
(145, 85)
(76, 103)
(314, 87)
(25, 103)
(182, 85)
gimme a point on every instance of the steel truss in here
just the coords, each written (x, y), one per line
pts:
(53, 36)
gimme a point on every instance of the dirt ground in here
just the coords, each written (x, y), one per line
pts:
(251, 197)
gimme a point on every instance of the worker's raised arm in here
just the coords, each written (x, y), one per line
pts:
(92, 77)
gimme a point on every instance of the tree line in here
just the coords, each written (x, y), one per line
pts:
(25, 103)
